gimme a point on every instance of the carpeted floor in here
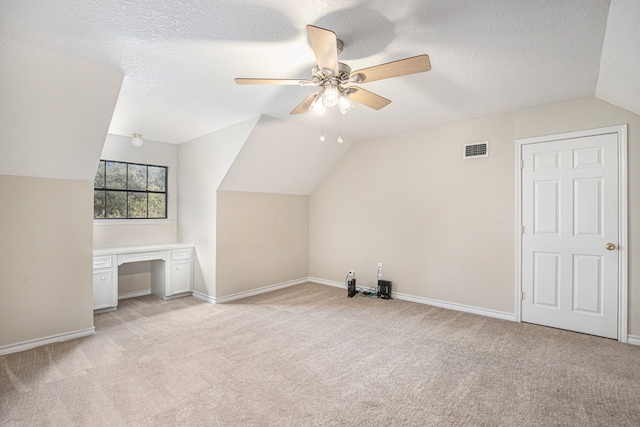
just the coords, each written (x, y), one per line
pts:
(307, 356)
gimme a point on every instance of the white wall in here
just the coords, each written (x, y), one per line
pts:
(262, 240)
(136, 277)
(202, 165)
(118, 232)
(444, 227)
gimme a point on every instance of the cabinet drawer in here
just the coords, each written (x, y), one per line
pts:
(101, 261)
(181, 254)
(141, 256)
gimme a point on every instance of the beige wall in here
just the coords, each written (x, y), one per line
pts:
(444, 227)
(262, 240)
(45, 258)
(55, 114)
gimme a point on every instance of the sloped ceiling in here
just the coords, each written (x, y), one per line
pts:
(488, 56)
(619, 78)
(281, 157)
(54, 112)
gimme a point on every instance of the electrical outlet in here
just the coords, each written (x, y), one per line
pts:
(351, 273)
(379, 266)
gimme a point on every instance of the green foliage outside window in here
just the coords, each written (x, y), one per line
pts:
(128, 190)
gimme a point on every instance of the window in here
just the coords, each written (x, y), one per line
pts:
(128, 190)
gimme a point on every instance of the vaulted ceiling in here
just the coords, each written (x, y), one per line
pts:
(179, 58)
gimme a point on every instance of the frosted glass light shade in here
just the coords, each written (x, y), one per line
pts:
(344, 103)
(330, 95)
(137, 141)
(317, 105)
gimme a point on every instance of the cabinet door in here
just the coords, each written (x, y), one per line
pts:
(102, 289)
(180, 277)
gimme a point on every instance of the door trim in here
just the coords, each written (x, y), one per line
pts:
(623, 249)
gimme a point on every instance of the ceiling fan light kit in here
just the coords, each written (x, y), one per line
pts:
(345, 104)
(333, 77)
(318, 105)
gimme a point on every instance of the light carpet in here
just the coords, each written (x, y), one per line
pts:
(309, 356)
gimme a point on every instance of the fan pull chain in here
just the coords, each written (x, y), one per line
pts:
(340, 134)
(322, 129)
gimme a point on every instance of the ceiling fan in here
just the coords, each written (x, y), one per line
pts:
(333, 77)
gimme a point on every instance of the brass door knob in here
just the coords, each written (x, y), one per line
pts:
(610, 246)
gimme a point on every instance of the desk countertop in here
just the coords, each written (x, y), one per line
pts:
(131, 249)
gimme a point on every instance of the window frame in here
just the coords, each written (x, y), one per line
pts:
(128, 191)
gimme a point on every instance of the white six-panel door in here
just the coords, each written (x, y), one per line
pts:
(570, 238)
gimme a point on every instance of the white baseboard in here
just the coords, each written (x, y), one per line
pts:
(632, 339)
(134, 294)
(245, 294)
(421, 300)
(455, 306)
(203, 297)
(327, 282)
(26, 345)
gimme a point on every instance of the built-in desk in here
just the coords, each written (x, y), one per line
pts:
(171, 271)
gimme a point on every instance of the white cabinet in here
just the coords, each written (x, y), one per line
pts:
(171, 271)
(175, 277)
(181, 268)
(105, 283)
(101, 289)
(180, 277)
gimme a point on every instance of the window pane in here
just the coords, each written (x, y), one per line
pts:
(98, 182)
(137, 205)
(126, 190)
(157, 178)
(137, 177)
(116, 204)
(157, 205)
(116, 175)
(98, 204)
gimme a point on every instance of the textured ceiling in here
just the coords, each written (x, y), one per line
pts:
(488, 56)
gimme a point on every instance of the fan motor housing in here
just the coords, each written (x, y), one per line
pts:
(324, 75)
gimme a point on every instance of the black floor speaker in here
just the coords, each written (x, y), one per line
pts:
(384, 289)
(351, 287)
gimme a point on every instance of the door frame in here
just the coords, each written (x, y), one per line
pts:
(623, 249)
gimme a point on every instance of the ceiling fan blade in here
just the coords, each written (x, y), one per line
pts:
(304, 105)
(367, 98)
(402, 67)
(325, 46)
(298, 82)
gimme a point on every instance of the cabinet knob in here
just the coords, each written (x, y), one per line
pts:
(102, 278)
(177, 268)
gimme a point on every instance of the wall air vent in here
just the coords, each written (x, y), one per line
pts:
(477, 149)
